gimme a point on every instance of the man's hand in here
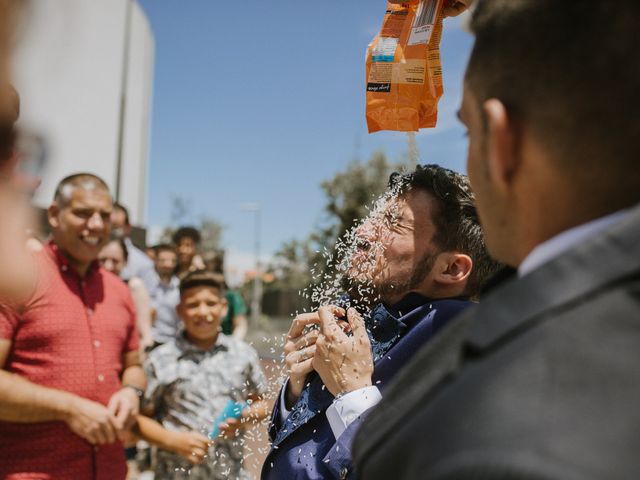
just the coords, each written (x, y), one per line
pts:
(343, 362)
(124, 405)
(453, 8)
(91, 421)
(298, 354)
(190, 445)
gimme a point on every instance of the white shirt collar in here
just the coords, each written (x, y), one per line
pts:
(562, 242)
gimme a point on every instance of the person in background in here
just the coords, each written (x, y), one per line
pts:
(138, 263)
(151, 252)
(165, 295)
(70, 374)
(235, 321)
(191, 379)
(186, 240)
(113, 258)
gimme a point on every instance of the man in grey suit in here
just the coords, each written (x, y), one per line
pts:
(541, 380)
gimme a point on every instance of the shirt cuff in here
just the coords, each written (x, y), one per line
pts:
(284, 413)
(346, 409)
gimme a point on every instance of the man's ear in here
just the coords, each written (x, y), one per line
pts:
(179, 310)
(52, 215)
(453, 268)
(503, 143)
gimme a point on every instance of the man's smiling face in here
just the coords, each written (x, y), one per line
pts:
(82, 227)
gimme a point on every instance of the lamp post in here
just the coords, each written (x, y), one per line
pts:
(256, 297)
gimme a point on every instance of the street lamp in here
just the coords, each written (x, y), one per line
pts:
(256, 297)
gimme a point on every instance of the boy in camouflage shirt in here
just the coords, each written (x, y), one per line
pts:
(190, 380)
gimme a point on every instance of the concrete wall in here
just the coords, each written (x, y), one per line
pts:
(69, 70)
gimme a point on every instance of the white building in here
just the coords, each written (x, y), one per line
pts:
(84, 70)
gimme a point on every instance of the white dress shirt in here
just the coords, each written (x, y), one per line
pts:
(344, 410)
(564, 241)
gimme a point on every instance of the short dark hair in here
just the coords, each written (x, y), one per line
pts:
(202, 278)
(570, 71)
(186, 232)
(456, 220)
(164, 247)
(119, 207)
(77, 180)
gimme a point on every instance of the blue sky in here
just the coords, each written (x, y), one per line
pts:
(260, 101)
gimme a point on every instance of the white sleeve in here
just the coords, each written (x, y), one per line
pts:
(284, 413)
(344, 410)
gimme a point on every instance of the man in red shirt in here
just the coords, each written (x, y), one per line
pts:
(70, 377)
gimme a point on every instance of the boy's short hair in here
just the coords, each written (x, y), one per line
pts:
(202, 278)
(164, 247)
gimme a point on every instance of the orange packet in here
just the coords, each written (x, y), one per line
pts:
(404, 71)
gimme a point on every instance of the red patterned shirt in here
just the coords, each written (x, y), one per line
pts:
(72, 335)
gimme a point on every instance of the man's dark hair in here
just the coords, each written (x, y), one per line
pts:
(164, 247)
(202, 278)
(570, 71)
(186, 232)
(67, 185)
(121, 208)
(456, 220)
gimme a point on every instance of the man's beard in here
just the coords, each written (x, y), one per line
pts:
(367, 293)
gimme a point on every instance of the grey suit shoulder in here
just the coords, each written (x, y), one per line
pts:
(540, 380)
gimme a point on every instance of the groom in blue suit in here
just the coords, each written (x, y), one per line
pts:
(424, 257)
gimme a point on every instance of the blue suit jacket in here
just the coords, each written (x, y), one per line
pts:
(304, 447)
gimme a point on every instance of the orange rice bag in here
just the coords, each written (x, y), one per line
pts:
(404, 73)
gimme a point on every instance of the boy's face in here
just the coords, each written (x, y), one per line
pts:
(201, 309)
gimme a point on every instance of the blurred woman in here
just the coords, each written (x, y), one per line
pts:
(113, 257)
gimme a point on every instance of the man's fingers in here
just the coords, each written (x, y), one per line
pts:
(111, 430)
(306, 340)
(114, 405)
(303, 368)
(300, 322)
(328, 321)
(357, 325)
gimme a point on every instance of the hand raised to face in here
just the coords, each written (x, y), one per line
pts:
(344, 362)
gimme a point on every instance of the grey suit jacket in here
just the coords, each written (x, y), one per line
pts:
(541, 380)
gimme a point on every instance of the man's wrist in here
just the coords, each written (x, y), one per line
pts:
(138, 391)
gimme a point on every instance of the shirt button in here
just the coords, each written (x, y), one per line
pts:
(64, 268)
(96, 343)
(101, 378)
(89, 311)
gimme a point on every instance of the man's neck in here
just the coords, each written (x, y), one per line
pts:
(165, 279)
